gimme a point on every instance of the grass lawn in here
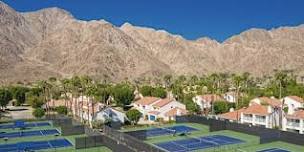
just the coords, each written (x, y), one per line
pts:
(50, 137)
(251, 143)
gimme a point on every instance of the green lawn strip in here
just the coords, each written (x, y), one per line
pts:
(144, 127)
(278, 144)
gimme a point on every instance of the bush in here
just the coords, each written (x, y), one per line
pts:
(97, 124)
(285, 109)
(159, 92)
(220, 107)
(134, 116)
(63, 110)
(35, 101)
(38, 113)
(146, 90)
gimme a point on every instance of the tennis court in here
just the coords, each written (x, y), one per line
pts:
(274, 150)
(197, 143)
(29, 133)
(169, 130)
(36, 145)
(31, 124)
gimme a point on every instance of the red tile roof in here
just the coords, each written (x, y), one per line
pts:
(162, 102)
(212, 97)
(173, 112)
(146, 101)
(270, 101)
(234, 115)
(296, 98)
(256, 109)
(299, 114)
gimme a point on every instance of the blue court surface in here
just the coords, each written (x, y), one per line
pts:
(29, 133)
(191, 144)
(274, 150)
(35, 145)
(169, 130)
(31, 124)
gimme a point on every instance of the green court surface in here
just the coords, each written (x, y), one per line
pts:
(251, 143)
(50, 137)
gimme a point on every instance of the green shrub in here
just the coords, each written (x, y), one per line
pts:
(133, 115)
(63, 110)
(38, 113)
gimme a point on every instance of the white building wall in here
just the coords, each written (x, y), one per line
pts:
(292, 105)
(230, 98)
(113, 114)
(201, 102)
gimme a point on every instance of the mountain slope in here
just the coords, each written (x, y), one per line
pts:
(51, 42)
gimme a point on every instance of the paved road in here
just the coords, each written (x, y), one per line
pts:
(20, 112)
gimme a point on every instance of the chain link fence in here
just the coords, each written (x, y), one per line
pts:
(129, 141)
(266, 134)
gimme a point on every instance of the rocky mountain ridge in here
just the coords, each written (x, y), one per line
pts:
(51, 42)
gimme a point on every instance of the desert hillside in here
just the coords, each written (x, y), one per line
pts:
(51, 42)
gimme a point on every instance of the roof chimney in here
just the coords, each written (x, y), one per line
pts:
(269, 109)
(231, 110)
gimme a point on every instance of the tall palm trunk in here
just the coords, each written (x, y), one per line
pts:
(81, 119)
(88, 106)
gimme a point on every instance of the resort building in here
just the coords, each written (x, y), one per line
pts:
(294, 122)
(293, 103)
(154, 109)
(273, 102)
(205, 101)
(255, 114)
(230, 97)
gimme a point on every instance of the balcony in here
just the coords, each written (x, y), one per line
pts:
(247, 118)
(260, 120)
(293, 124)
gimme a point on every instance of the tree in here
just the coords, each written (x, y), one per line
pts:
(20, 95)
(159, 92)
(35, 101)
(281, 79)
(177, 90)
(237, 81)
(220, 107)
(133, 115)
(190, 105)
(168, 81)
(38, 113)
(123, 94)
(63, 110)
(146, 90)
(5, 97)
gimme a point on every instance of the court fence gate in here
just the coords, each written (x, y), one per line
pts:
(129, 141)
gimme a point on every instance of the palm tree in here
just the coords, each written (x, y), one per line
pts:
(281, 79)
(66, 87)
(215, 81)
(237, 81)
(45, 86)
(75, 90)
(90, 93)
(85, 82)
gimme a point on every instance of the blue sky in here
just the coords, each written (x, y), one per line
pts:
(218, 19)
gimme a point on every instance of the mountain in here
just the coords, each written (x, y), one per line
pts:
(51, 42)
